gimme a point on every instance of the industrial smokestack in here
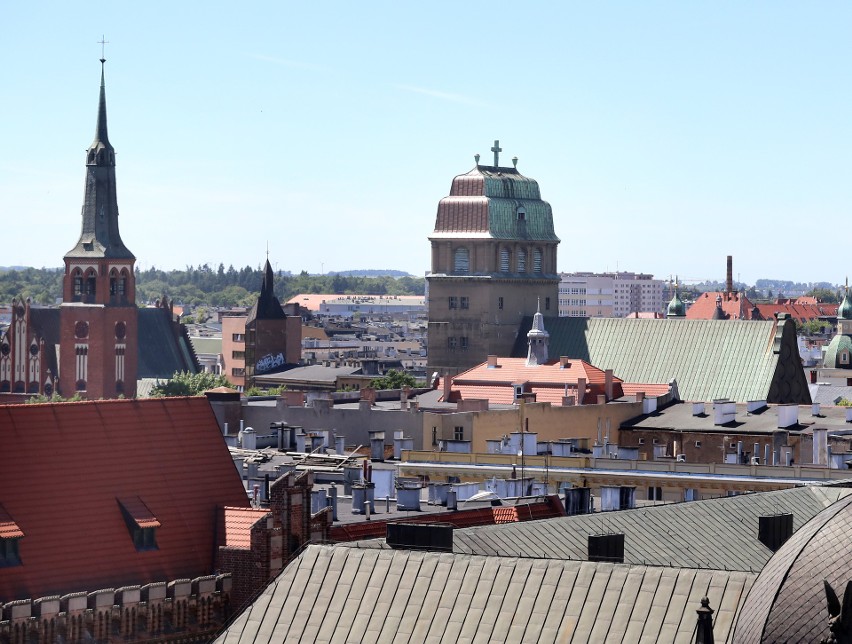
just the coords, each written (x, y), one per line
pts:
(730, 280)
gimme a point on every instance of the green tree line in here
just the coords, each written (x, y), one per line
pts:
(206, 285)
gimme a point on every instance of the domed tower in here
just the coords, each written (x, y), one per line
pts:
(98, 320)
(676, 308)
(838, 354)
(493, 259)
(787, 602)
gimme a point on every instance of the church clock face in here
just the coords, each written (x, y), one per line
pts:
(120, 330)
(81, 330)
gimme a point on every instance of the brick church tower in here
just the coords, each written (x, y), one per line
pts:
(493, 261)
(98, 319)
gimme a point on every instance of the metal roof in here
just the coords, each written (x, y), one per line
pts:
(338, 594)
(714, 533)
(739, 360)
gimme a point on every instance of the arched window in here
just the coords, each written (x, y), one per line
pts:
(91, 281)
(505, 258)
(522, 261)
(113, 282)
(78, 283)
(461, 260)
(537, 260)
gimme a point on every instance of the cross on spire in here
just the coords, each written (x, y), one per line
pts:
(103, 42)
(496, 150)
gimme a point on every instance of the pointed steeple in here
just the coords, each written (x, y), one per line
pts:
(538, 339)
(99, 236)
(267, 306)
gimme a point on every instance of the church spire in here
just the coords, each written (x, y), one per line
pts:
(99, 237)
(537, 339)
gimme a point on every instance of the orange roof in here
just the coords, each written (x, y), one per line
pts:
(652, 390)
(546, 381)
(798, 311)
(69, 467)
(238, 523)
(8, 528)
(735, 305)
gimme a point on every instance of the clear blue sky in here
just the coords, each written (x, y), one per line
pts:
(666, 135)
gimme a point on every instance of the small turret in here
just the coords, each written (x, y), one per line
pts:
(538, 339)
(676, 308)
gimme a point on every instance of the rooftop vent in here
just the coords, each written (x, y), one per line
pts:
(607, 547)
(578, 500)
(774, 529)
(788, 415)
(724, 411)
(755, 405)
(698, 409)
(437, 537)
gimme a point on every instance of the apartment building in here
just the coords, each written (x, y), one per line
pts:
(605, 295)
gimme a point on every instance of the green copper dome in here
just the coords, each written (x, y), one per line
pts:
(676, 309)
(844, 311)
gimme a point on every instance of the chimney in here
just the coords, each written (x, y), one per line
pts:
(568, 401)
(753, 406)
(606, 547)
(608, 384)
(820, 446)
(249, 439)
(564, 362)
(601, 399)
(447, 383)
(773, 530)
(640, 396)
(724, 411)
(492, 362)
(788, 415)
(730, 280)
(815, 409)
(581, 390)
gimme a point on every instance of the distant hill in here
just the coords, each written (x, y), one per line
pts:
(388, 272)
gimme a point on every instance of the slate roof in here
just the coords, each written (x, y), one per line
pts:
(734, 359)
(162, 352)
(69, 467)
(714, 533)
(788, 602)
(334, 594)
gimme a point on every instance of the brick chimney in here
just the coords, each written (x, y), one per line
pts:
(729, 284)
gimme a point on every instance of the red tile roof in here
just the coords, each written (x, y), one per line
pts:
(735, 305)
(8, 528)
(65, 468)
(237, 525)
(139, 512)
(546, 381)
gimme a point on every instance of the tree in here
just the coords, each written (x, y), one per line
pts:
(393, 379)
(825, 295)
(184, 383)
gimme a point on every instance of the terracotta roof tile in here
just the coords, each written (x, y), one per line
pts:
(139, 512)
(238, 523)
(8, 528)
(64, 466)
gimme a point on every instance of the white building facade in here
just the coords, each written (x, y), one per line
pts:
(603, 295)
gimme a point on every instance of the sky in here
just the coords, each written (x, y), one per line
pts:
(665, 135)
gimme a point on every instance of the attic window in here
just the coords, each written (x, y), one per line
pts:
(10, 536)
(522, 213)
(141, 523)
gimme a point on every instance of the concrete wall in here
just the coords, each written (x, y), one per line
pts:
(549, 422)
(354, 424)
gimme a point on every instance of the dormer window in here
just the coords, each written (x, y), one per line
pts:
(10, 537)
(522, 213)
(141, 523)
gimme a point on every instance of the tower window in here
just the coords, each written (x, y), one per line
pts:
(547, 304)
(9, 555)
(505, 256)
(537, 260)
(78, 283)
(451, 343)
(461, 263)
(500, 303)
(522, 261)
(463, 343)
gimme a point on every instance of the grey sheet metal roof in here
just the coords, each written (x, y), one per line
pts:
(710, 359)
(333, 594)
(713, 534)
